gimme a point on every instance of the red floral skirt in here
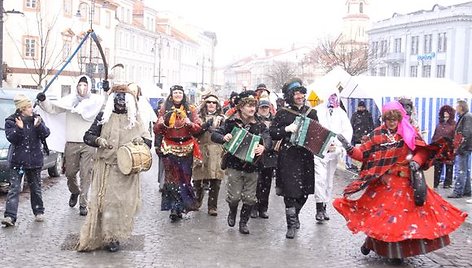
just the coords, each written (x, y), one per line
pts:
(386, 212)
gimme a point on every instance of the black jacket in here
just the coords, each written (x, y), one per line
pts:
(26, 148)
(295, 168)
(464, 127)
(362, 124)
(256, 127)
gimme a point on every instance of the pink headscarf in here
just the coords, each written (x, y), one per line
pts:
(405, 129)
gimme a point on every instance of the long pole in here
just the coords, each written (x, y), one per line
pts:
(90, 70)
(1, 43)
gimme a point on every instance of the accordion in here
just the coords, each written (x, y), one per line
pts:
(312, 136)
(243, 144)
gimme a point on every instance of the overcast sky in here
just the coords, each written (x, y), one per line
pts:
(244, 27)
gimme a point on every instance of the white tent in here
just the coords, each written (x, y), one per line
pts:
(427, 94)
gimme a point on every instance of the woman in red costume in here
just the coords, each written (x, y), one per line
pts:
(178, 122)
(386, 212)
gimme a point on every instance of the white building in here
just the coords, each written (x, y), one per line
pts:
(147, 49)
(424, 43)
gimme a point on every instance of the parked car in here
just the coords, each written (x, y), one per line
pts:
(52, 162)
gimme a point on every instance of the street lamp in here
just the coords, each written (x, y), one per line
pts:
(90, 69)
(1, 36)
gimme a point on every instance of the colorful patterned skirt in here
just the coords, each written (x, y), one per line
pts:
(178, 193)
(394, 225)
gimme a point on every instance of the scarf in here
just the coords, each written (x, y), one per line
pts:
(405, 129)
(177, 117)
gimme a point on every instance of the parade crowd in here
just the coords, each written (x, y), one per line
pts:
(245, 142)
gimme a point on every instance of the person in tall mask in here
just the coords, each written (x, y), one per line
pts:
(81, 107)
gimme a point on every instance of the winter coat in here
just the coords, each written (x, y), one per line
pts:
(464, 127)
(210, 165)
(255, 127)
(269, 158)
(295, 165)
(338, 122)
(362, 124)
(26, 147)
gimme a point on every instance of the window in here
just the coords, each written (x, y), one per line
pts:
(30, 47)
(373, 72)
(397, 45)
(428, 40)
(31, 4)
(441, 71)
(383, 48)
(383, 71)
(68, 8)
(396, 70)
(426, 71)
(107, 19)
(375, 47)
(361, 8)
(66, 50)
(442, 42)
(414, 45)
(413, 71)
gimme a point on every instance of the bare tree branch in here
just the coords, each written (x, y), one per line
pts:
(279, 72)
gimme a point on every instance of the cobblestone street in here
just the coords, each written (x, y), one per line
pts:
(201, 240)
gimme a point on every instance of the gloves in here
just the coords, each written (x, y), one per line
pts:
(207, 124)
(41, 96)
(138, 141)
(414, 166)
(37, 120)
(345, 143)
(291, 128)
(102, 143)
(105, 85)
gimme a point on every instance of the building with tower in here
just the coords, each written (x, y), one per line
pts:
(356, 22)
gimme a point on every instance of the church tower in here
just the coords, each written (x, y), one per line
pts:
(356, 21)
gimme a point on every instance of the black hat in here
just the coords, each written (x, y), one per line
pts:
(176, 87)
(294, 84)
(361, 103)
(83, 79)
(261, 87)
(245, 97)
(233, 94)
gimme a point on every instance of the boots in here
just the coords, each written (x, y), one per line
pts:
(199, 193)
(244, 218)
(291, 216)
(297, 219)
(233, 210)
(319, 217)
(325, 215)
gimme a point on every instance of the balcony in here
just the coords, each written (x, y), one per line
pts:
(395, 57)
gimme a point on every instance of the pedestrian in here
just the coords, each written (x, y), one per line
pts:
(81, 107)
(178, 122)
(242, 175)
(332, 117)
(295, 173)
(362, 124)
(262, 92)
(115, 197)
(463, 136)
(25, 131)
(208, 169)
(230, 107)
(444, 129)
(398, 223)
(268, 164)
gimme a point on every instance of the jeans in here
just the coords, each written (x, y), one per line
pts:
(438, 168)
(33, 177)
(462, 185)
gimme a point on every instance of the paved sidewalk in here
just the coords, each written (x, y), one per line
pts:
(201, 240)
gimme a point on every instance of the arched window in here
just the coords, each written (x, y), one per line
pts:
(361, 7)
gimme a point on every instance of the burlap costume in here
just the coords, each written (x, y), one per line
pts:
(115, 197)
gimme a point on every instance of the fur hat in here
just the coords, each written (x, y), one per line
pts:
(21, 101)
(289, 88)
(176, 87)
(132, 89)
(245, 97)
